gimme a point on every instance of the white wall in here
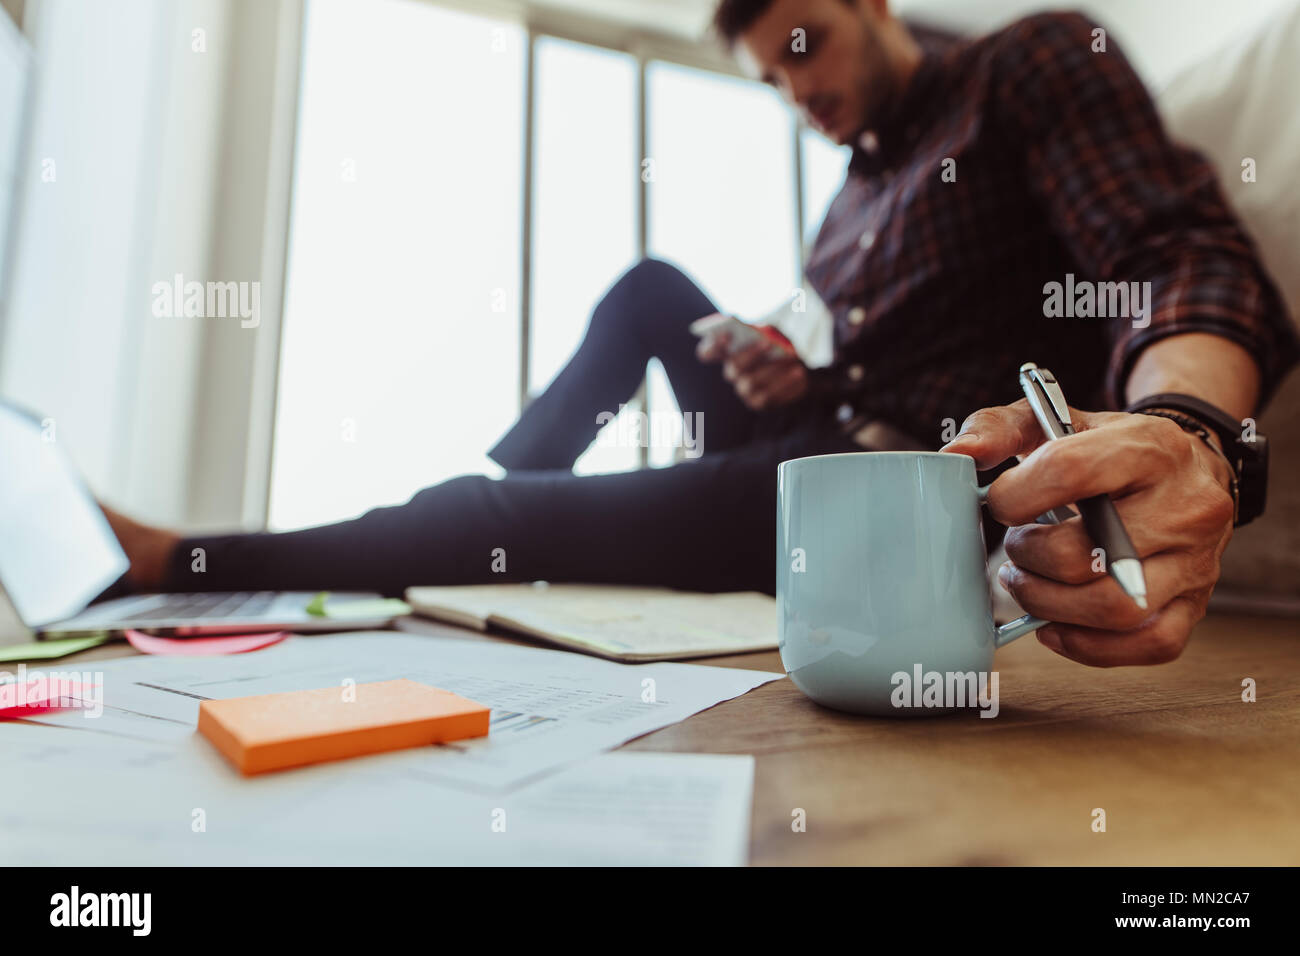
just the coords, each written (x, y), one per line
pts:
(1160, 37)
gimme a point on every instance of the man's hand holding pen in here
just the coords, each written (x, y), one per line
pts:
(1171, 492)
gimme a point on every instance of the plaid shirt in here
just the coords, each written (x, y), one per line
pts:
(935, 272)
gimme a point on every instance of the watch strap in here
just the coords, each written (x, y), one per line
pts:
(1216, 419)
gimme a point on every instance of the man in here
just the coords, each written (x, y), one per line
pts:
(982, 173)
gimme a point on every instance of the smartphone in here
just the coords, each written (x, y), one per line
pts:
(741, 335)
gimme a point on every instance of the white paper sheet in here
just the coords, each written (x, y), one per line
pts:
(97, 799)
(549, 708)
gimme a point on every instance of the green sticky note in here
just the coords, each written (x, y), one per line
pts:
(48, 650)
(322, 606)
(317, 606)
(361, 610)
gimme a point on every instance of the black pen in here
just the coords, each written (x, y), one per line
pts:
(1098, 512)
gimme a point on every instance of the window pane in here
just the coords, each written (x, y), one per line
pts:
(722, 193)
(652, 421)
(584, 191)
(399, 363)
(615, 448)
(824, 166)
(664, 417)
(584, 209)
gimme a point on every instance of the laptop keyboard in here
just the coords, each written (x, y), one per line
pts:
(209, 606)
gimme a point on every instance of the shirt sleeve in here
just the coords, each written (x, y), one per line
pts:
(1128, 203)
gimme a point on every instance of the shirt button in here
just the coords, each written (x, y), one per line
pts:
(857, 315)
(855, 373)
(869, 142)
(844, 413)
(868, 240)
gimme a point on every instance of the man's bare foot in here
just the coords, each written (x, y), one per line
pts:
(148, 549)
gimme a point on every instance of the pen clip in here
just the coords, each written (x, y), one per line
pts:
(1045, 382)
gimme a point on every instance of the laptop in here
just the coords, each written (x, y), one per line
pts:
(59, 558)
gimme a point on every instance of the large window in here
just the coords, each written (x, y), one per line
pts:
(401, 331)
(404, 322)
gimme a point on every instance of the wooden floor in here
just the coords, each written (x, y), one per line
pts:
(1186, 772)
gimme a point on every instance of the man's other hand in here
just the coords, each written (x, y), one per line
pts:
(763, 375)
(149, 549)
(1172, 493)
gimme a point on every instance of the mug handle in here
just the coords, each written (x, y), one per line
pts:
(1028, 623)
(1021, 626)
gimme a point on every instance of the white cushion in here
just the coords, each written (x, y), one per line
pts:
(1244, 102)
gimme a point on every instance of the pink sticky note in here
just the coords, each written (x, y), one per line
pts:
(203, 646)
(39, 696)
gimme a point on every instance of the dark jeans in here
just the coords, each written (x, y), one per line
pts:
(706, 524)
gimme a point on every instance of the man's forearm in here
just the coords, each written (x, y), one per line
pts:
(1208, 367)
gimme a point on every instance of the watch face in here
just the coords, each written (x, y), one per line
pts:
(1252, 477)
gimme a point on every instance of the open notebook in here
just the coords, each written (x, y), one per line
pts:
(622, 623)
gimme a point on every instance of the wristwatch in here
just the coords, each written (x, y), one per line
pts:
(1246, 452)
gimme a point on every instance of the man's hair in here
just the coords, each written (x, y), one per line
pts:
(734, 17)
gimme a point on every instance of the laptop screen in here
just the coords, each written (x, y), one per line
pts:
(57, 552)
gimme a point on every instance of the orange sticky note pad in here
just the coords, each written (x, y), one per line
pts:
(276, 731)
